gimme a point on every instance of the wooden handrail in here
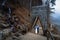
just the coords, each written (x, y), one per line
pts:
(55, 35)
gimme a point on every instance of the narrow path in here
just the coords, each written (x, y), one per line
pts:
(32, 36)
(28, 36)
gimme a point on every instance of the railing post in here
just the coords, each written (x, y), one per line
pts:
(1, 35)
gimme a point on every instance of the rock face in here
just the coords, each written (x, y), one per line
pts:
(40, 11)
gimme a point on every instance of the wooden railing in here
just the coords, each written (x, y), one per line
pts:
(52, 36)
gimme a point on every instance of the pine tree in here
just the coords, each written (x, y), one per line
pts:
(53, 2)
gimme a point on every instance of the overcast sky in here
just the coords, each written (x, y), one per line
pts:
(57, 9)
(56, 15)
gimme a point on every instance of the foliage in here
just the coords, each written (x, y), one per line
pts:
(53, 2)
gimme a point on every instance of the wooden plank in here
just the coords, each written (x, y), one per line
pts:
(36, 20)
